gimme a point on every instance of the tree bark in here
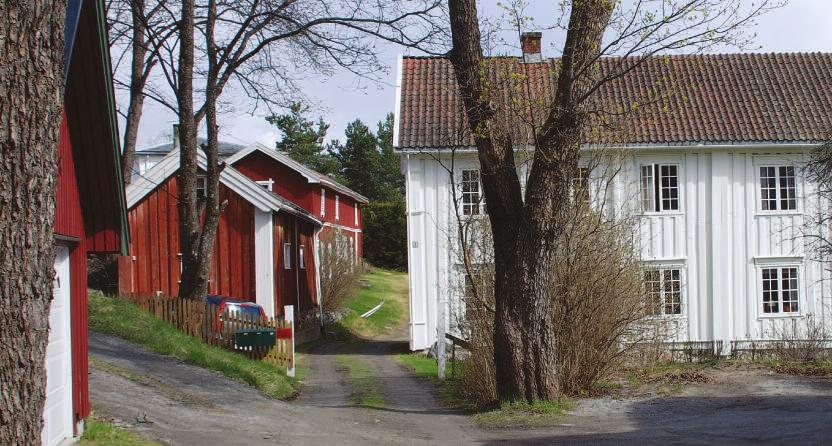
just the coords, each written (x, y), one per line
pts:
(31, 100)
(525, 235)
(139, 71)
(189, 225)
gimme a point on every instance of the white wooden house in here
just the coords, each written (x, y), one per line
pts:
(713, 174)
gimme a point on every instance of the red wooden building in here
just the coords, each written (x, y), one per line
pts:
(264, 250)
(337, 206)
(89, 215)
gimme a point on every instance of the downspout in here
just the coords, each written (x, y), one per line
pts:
(297, 267)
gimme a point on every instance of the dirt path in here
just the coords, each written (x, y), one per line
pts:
(165, 399)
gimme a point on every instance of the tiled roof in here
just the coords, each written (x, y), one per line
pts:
(683, 99)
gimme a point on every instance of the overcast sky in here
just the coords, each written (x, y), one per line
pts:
(802, 25)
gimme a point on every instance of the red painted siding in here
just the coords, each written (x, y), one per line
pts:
(69, 220)
(294, 286)
(78, 327)
(287, 183)
(154, 263)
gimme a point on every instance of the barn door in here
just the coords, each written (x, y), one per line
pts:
(57, 412)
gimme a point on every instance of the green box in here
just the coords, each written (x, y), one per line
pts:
(255, 337)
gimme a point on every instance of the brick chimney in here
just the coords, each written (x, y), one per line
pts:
(530, 44)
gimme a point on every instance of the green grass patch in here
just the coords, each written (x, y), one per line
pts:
(384, 285)
(426, 367)
(102, 433)
(119, 317)
(539, 413)
(363, 382)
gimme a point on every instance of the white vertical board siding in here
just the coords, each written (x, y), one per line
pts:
(264, 261)
(719, 238)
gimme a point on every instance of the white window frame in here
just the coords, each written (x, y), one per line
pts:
(201, 184)
(776, 163)
(662, 268)
(479, 205)
(287, 256)
(266, 184)
(337, 207)
(355, 212)
(301, 257)
(582, 179)
(323, 202)
(655, 165)
(763, 265)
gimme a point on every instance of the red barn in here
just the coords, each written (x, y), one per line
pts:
(337, 206)
(264, 250)
(89, 214)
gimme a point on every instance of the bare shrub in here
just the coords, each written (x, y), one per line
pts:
(599, 311)
(795, 342)
(340, 270)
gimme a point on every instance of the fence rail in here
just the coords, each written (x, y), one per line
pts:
(217, 327)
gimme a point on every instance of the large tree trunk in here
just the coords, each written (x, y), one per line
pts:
(189, 225)
(138, 79)
(31, 99)
(526, 235)
(197, 239)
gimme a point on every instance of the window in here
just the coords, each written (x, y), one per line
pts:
(301, 257)
(659, 187)
(471, 201)
(580, 186)
(337, 208)
(664, 291)
(777, 188)
(779, 290)
(266, 184)
(355, 211)
(201, 186)
(287, 256)
(323, 202)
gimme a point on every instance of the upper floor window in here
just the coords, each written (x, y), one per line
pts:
(780, 290)
(201, 186)
(471, 200)
(337, 207)
(355, 215)
(301, 257)
(777, 188)
(659, 187)
(323, 202)
(580, 186)
(663, 291)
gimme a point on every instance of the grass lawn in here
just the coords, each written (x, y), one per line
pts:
(122, 318)
(362, 380)
(102, 433)
(385, 285)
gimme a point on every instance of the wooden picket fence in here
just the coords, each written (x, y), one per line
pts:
(205, 321)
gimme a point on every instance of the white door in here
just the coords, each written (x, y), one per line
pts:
(57, 412)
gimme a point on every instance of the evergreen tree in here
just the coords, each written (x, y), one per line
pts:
(390, 165)
(303, 139)
(361, 163)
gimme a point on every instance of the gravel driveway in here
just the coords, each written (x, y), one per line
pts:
(176, 403)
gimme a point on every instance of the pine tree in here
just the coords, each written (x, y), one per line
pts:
(303, 139)
(390, 165)
(361, 162)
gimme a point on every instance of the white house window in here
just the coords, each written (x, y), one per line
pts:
(780, 290)
(664, 290)
(266, 184)
(323, 202)
(659, 187)
(777, 188)
(201, 186)
(301, 257)
(287, 256)
(337, 208)
(471, 192)
(355, 212)
(580, 186)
